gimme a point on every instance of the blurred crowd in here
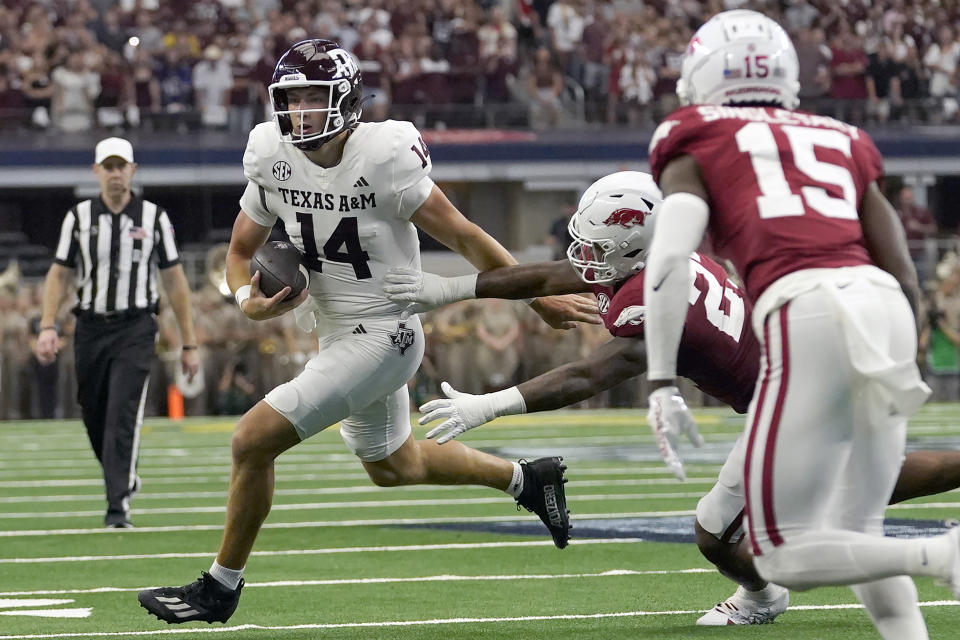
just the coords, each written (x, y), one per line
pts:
(73, 65)
(70, 65)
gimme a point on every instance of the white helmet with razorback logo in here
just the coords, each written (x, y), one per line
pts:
(613, 226)
(740, 56)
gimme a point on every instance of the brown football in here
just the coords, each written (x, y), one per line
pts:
(280, 265)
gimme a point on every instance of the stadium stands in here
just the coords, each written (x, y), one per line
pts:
(186, 80)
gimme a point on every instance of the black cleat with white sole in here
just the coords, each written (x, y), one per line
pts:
(204, 600)
(544, 495)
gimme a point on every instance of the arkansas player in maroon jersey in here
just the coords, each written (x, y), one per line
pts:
(791, 200)
(718, 352)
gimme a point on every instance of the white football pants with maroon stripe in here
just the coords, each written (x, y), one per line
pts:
(824, 442)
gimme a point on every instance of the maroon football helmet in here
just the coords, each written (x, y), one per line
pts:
(316, 63)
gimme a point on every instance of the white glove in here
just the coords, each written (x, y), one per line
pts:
(464, 411)
(422, 291)
(669, 417)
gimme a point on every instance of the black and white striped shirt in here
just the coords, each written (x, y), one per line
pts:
(116, 256)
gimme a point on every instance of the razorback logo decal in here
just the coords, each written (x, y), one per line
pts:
(627, 218)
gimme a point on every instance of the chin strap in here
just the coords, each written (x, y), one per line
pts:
(313, 145)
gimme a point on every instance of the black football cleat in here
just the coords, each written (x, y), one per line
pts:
(117, 520)
(544, 495)
(204, 600)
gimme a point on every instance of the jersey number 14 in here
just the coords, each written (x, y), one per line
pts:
(343, 245)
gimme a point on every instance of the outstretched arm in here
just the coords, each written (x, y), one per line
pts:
(616, 361)
(428, 290)
(545, 282)
(440, 219)
(530, 281)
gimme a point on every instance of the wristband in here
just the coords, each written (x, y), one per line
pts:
(507, 402)
(188, 347)
(459, 288)
(241, 295)
(51, 327)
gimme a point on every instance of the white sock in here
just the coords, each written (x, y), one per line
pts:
(932, 556)
(229, 578)
(892, 605)
(767, 594)
(516, 484)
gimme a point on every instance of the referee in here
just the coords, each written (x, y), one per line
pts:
(112, 247)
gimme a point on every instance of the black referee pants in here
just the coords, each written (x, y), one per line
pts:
(113, 359)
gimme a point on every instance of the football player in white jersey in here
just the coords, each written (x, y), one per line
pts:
(351, 196)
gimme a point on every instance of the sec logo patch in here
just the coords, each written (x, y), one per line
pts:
(603, 302)
(282, 170)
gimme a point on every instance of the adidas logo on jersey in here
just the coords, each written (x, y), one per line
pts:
(359, 329)
(362, 182)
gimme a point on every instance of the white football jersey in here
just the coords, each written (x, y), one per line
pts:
(351, 221)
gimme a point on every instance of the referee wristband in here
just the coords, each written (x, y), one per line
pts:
(188, 347)
(242, 294)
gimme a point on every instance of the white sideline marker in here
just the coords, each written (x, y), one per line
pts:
(83, 612)
(9, 603)
(18, 607)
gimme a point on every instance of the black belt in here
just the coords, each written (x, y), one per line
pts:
(112, 316)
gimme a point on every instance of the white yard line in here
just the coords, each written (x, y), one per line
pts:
(924, 505)
(346, 463)
(384, 522)
(353, 504)
(613, 573)
(338, 475)
(458, 546)
(319, 491)
(415, 623)
(41, 456)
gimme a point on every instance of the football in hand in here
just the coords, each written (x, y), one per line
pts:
(280, 265)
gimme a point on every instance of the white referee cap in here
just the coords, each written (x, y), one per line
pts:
(113, 147)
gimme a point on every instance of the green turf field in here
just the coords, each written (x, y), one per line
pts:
(340, 558)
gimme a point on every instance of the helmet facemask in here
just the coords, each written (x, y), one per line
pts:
(603, 260)
(308, 129)
(312, 64)
(612, 227)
